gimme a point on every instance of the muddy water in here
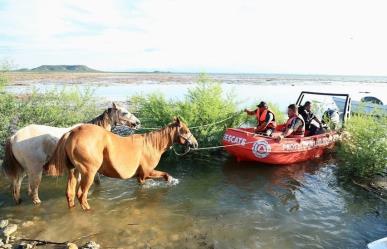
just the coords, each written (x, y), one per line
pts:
(216, 204)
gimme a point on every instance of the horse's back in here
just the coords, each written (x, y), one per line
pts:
(34, 144)
(34, 130)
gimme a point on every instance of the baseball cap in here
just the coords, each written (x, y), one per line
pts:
(262, 104)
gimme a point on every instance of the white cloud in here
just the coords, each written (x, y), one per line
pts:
(300, 36)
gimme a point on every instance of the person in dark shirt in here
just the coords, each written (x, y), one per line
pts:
(313, 128)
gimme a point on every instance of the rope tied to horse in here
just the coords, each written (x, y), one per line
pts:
(198, 126)
(208, 148)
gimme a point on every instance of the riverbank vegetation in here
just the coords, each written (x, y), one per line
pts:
(362, 153)
(59, 107)
(206, 108)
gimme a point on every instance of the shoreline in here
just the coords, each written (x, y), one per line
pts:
(31, 78)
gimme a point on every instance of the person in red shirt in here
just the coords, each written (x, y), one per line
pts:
(265, 119)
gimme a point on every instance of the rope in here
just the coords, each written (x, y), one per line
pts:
(222, 146)
(196, 127)
(210, 147)
(181, 154)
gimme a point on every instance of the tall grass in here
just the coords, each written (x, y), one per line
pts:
(363, 149)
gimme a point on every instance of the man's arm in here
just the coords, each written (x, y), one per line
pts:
(317, 120)
(250, 112)
(294, 126)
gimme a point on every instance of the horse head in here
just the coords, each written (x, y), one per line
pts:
(184, 135)
(122, 116)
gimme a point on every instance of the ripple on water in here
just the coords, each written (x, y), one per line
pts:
(160, 184)
(212, 204)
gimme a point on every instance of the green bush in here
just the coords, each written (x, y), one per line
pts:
(59, 108)
(363, 149)
(204, 104)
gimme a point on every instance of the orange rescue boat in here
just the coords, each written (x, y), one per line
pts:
(245, 145)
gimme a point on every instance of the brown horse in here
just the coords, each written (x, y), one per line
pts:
(89, 149)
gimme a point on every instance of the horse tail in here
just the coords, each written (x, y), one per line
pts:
(59, 161)
(11, 166)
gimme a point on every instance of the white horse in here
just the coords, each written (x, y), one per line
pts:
(29, 149)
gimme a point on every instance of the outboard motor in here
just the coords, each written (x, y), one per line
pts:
(331, 118)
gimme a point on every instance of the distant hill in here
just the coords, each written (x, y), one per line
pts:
(60, 68)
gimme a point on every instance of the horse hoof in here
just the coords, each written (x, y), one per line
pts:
(18, 202)
(85, 207)
(37, 202)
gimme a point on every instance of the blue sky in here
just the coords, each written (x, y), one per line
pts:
(253, 36)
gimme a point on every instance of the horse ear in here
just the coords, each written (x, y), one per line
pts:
(114, 105)
(176, 120)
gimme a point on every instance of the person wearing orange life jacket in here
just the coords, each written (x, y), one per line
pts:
(265, 119)
(295, 126)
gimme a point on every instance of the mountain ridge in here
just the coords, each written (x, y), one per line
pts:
(60, 68)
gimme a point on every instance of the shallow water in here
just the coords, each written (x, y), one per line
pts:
(247, 89)
(216, 203)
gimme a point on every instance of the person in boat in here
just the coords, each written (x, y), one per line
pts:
(331, 119)
(265, 119)
(312, 124)
(295, 126)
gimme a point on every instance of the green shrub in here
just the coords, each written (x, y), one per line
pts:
(204, 104)
(363, 149)
(60, 108)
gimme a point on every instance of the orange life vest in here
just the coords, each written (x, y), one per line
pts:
(300, 130)
(261, 117)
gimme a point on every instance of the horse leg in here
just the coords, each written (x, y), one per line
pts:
(16, 185)
(160, 174)
(86, 182)
(97, 179)
(79, 189)
(71, 187)
(141, 176)
(34, 180)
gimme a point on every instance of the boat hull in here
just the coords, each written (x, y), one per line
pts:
(247, 146)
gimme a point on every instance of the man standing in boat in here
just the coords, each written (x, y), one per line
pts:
(295, 126)
(265, 119)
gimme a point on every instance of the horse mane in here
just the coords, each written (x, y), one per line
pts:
(102, 120)
(157, 139)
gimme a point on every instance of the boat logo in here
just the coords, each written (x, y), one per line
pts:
(261, 149)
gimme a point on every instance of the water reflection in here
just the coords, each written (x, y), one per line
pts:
(218, 203)
(281, 182)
